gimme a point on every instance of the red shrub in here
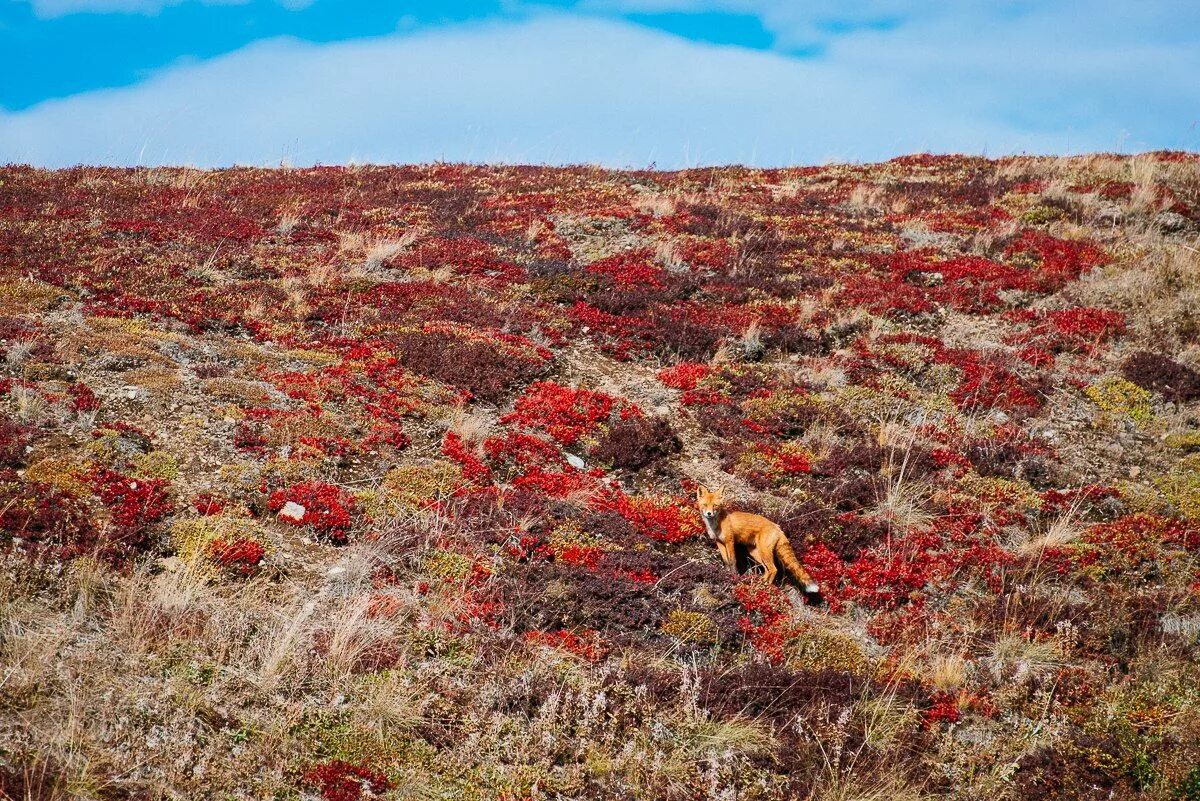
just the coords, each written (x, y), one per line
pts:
(765, 624)
(1137, 536)
(1076, 330)
(1059, 260)
(944, 709)
(82, 398)
(684, 375)
(586, 645)
(241, 556)
(208, 504)
(135, 504)
(667, 521)
(338, 780)
(473, 468)
(987, 385)
(565, 414)
(328, 509)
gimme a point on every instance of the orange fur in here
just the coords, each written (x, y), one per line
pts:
(765, 541)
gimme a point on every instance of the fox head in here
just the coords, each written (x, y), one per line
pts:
(710, 508)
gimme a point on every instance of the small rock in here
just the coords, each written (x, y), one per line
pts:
(1135, 471)
(575, 461)
(1171, 223)
(292, 511)
(1109, 214)
(703, 598)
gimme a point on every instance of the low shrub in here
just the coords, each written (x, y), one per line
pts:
(328, 509)
(1157, 373)
(51, 520)
(637, 443)
(338, 780)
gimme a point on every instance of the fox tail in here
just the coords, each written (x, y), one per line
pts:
(790, 563)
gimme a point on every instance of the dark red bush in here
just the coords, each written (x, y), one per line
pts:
(482, 366)
(14, 438)
(50, 519)
(1174, 381)
(637, 443)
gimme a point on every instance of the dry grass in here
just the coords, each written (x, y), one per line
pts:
(1063, 530)
(473, 426)
(658, 205)
(1018, 656)
(667, 254)
(947, 672)
(866, 197)
(1156, 283)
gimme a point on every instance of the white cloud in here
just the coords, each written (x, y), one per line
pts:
(46, 9)
(1082, 23)
(567, 89)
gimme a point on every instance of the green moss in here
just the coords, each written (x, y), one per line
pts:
(693, 627)
(414, 487)
(1187, 441)
(1118, 397)
(816, 650)
(324, 734)
(192, 536)
(1189, 788)
(1041, 215)
(447, 565)
(1182, 489)
(156, 464)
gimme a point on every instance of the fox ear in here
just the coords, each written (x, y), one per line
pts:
(700, 491)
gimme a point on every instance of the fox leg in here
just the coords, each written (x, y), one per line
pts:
(768, 563)
(727, 555)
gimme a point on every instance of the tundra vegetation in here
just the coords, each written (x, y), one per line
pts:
(364, 482)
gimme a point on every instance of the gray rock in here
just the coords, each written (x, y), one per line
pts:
(1171, 223)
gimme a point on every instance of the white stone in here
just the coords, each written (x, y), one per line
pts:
(292, 511)
(575, 461)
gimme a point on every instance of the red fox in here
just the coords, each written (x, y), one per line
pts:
(765, 540)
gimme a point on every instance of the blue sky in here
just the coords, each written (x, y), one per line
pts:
(673, 83)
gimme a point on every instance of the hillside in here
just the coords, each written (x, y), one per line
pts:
(345, 483)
